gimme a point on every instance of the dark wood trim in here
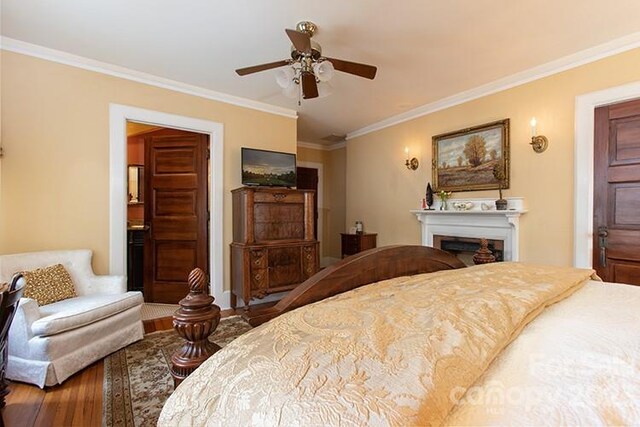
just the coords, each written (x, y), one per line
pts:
(360, 269)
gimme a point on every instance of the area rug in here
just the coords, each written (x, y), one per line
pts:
(137, 381)
(152, 310)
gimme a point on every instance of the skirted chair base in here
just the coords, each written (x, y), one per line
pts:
(79, 348)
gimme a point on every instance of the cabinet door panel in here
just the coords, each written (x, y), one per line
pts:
(285, 266)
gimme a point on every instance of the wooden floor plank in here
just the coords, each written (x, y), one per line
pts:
(22, 405)
(96, 413)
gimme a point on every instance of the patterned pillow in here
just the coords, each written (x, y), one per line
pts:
(48, 284)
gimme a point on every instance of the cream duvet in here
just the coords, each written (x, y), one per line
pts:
(397, 352)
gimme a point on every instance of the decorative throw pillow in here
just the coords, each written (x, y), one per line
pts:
(48, 284)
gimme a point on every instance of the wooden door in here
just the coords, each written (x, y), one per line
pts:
(307, 179)
(175, 211)
(616, 219)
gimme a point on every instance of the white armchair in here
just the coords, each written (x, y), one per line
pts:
(49, 343)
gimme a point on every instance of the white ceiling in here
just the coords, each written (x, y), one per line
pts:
(425, 50)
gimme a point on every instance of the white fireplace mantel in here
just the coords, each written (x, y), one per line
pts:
(476, 223)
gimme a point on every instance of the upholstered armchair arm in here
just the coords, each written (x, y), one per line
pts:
(20, 332)
(107, 285)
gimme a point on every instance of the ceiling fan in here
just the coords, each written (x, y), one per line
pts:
(307, 67)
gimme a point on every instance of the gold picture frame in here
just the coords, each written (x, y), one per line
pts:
(464, 160)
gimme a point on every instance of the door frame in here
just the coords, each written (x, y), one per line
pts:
(584, 174)
(118, 117)
(319, 167)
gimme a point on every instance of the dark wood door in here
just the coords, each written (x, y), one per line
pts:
(307, 179)
(175, 211)
(616, 219)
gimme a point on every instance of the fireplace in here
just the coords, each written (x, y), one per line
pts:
(466, 227)
(464, 247)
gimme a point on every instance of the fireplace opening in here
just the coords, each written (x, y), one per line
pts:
(465, 247)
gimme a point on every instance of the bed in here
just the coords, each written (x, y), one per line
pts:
(407, 336)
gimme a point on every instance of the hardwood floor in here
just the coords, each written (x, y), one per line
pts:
(77, 401)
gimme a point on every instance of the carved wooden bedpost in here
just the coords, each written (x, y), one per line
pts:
(484, 254)
(194, 321)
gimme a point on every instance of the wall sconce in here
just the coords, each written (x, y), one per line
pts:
(411, 164)
(539, 143)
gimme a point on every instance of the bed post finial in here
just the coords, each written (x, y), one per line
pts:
(484, 254)
(194, 321)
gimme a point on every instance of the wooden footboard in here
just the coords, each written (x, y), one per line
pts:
(363, 268)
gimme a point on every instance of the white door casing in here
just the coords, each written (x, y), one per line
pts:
(118, 117)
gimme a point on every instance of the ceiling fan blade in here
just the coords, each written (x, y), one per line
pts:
(309, 86)
(301, 41)
(362, 70)
(262, 67)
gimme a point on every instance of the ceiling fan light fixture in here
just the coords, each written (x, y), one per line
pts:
(285, 76)
(324, 89)
(323, 70)
(291, 91)
(304, 75)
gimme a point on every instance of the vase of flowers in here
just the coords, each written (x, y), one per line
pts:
(444, 197)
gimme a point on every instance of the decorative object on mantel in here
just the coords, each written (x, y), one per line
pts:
(429, 197)
(462, 206)
(196, 319)
(463, 160)
(539, 143)
(483, 255)
(498, 173)
(444, 196)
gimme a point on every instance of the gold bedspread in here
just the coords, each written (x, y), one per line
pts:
(389, 353)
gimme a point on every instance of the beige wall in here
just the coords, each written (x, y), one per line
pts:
(334, 205)
(55, 125)
(381, 190)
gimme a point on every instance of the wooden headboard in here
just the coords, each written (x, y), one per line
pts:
(366, 267)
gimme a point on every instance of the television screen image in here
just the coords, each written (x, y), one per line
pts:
(268, 168)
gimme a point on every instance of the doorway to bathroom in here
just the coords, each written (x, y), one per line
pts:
(168, 218)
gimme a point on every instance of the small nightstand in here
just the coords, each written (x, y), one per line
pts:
(354, 243)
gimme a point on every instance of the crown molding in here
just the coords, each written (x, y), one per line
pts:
(568, 62)
(321, 147)
(37, 51)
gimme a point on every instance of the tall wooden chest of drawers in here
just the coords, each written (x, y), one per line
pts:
(274, 248)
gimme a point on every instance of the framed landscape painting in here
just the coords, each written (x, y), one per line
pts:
(464, 160)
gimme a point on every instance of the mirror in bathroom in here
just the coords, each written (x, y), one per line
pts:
(136, 184)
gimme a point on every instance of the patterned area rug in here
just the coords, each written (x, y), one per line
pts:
(151, 310)
(137, 381)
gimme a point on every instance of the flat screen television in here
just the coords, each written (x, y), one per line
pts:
(268, 168)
